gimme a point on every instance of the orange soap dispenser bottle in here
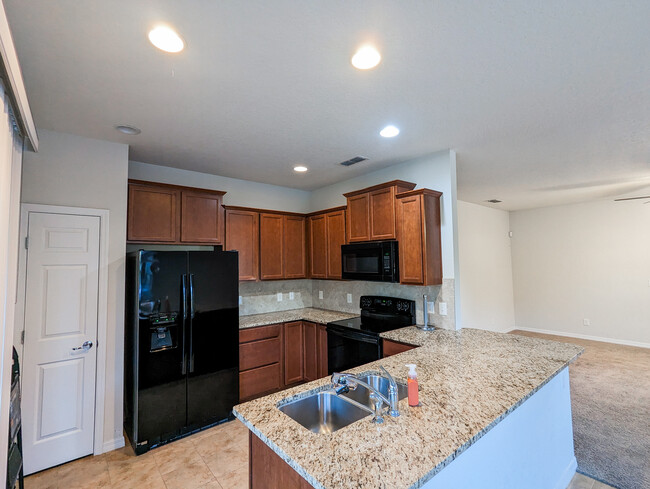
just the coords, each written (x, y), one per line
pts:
(413, 386)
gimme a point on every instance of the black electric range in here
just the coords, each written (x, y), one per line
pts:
(356, 341)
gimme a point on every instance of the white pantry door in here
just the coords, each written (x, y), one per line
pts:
(61, 301)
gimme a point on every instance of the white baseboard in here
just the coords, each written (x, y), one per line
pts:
(113, 444)
(585, 337)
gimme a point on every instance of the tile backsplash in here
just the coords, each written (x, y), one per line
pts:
(261, 297)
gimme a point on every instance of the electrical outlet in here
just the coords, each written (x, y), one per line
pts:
(349, 298)
(279, 296)
(442, 307)
(586, 322)
(291, 296)
(320, 294)
(431, 307)
(240, 300)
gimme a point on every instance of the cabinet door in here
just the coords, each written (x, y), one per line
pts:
(318, 246)
(322, 351)
(310, 350)
(294, 247)
(410, 218)
(394, 347)
(293, 353)
(358, 218)
(242, 234)
(201, 218)
(271, 242)
(153, 214)
(335, 238)
(382, 214)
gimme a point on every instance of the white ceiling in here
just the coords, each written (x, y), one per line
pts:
(544, 102)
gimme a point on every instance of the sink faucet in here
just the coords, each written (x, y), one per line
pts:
(344, 382)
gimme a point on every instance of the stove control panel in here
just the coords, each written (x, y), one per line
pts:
(387, 305)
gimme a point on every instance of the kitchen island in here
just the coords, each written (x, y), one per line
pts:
(494, 412)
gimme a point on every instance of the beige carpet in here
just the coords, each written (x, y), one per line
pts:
(610, 397)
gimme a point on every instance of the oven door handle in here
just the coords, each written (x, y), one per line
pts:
(352, 336)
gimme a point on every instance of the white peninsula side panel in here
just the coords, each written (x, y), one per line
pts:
(532, 447)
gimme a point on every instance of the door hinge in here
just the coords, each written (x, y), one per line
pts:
(26, 242)
(22, 337)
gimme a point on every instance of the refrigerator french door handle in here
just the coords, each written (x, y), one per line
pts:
(184, 302)
(191, 322)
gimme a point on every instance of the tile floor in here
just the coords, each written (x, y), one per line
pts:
(216, 458)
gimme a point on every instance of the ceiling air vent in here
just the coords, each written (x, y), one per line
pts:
(494, 201)
(354, 160)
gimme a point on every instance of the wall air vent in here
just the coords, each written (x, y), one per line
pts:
(354, 160)
(494, 201)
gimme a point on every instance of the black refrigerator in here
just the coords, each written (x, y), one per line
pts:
(181, 343)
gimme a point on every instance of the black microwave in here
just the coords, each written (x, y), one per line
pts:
(375, 260)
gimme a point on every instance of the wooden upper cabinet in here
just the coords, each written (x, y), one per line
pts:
(335, 238)
(153, 214)
(358, 218)
(271, 246)
(418, 221)
(295, 263)
(326, 235)
(161, 213)
(242, 234)
(202, 217)
(371, 211)
(318, 246)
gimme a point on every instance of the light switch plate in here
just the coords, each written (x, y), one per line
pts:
(291, 296)
(349, 298)
(431, 307)
(320, 294)
(442, 308)
(279, 296)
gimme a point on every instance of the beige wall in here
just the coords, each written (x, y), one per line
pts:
(584, 261)
(239, 192)
(485, 279)
(436, 171)
(80, 172)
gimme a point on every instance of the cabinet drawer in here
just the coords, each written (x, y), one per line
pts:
(259, 333)
(259, 353)
(259, 381)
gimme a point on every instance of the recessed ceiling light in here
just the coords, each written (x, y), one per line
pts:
(389, 132)
(130, 130)
(365, 58)
(166, 39)
(300, 168)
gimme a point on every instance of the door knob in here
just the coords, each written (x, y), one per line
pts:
(87, 345)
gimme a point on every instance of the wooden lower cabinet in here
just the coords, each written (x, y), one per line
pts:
(260, 361)
(310, 350)
(268, 471)
(395, 347)
(280, 355)
(322, 351)
(293, 353)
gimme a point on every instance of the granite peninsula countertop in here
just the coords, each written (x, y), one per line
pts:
(469, 381)
(322, 316)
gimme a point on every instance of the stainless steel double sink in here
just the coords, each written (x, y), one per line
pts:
(326, 412)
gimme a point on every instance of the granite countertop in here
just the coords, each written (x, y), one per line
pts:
(469, 381)
(322, 316)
